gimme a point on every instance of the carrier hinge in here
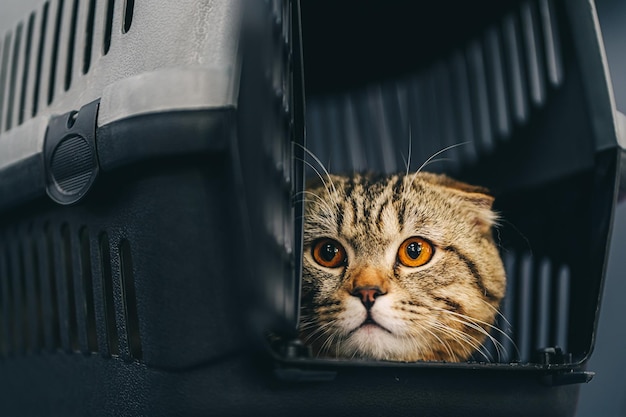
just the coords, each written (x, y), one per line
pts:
(555, 356)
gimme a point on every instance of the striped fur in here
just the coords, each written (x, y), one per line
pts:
(441, 311)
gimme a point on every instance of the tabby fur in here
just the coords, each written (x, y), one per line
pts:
(374, 307)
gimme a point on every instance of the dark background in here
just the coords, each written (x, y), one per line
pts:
(605, 395)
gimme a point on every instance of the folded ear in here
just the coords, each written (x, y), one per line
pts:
(478, 199)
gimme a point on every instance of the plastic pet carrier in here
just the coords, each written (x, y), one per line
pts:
(151, 159)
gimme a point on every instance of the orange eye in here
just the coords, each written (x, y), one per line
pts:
(329, 253)
(415, 252)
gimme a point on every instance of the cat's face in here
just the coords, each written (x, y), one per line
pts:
(401, 267)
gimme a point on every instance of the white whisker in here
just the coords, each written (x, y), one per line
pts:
(433, 156)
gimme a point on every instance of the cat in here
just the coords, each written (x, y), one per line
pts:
(400, 267)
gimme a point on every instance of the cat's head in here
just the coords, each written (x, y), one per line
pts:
(400, 267)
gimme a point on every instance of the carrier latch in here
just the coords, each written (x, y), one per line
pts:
(70, 154)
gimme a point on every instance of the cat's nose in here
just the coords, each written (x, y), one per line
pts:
(367, 295)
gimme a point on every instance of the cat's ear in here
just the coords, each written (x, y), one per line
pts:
(480, 202)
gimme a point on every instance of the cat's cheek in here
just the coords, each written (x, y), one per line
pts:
(353, 316)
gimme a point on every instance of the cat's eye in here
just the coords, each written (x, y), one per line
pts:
(415, 252)
(329, 253)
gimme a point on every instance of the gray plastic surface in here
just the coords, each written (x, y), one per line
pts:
(176, 55)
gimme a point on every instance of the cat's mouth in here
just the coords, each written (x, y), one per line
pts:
(369, 322)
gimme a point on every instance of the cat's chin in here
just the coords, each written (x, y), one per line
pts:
(374, 342)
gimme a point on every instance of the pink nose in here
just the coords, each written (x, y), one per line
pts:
(367, 295)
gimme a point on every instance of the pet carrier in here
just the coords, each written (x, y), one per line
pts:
(149, 153)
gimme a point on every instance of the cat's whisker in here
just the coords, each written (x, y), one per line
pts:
(321, 165)
(472, 323)
(526, 240)
(467, 339)
(475, 321)
(433, 156)
(319, 199)
(442, 342)
(330, 180)
(438, 160)
(504, 333)
(498, 313)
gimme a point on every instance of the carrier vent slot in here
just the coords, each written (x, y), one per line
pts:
(533, 55)
(21, 310)
(128, 15)
(40, 55)
(68, 270)
(48, 290)
(472, 100)
(516, 73)
(129, 299)
(55, 51)
(498, 94)
(108, 26)
(463, 109)
(536, 309)
(71, 46)
(480, 103)
(552, 45)
(55, 320)
(91, 15)
(26, 70)
(88, 306)
(9, 302)
(560, 324)
(4, 313)
(108, 296)
(6, 48)
(43, 55)
(10, 103)
(35, 289)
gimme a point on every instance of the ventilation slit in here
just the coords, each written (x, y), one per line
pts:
(88, 306)
(508, 310)
(108, 296)
(91, 14)
(108, 26)
(129, 299)
(71, 46)
(9, 300)
(40, 50)
(533, 55)
(55, 51)
(495, 68)
(4, 299)
(29, 42)
(563, 308)
(37, 295)
(516, 75)
(3, 72)
(13, 78)
(22, 300)
(430, 117)
(524, 300)
(54, 297)
(70, 288)
(128, 15)
(352, 136)
(446, 122)
(463, 107)
(480, 100)
(552, 43)
(542, 312)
